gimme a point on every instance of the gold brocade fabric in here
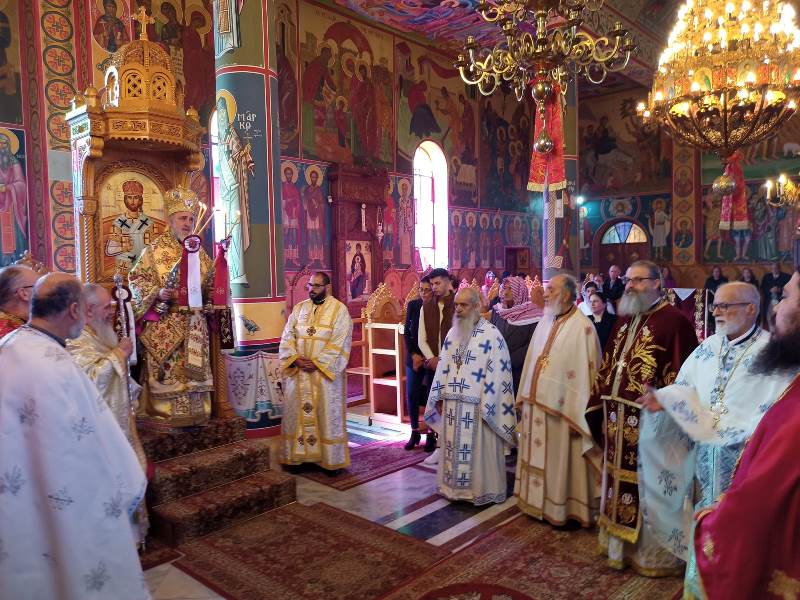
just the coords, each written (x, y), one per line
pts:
(9, 323)
(171, 392)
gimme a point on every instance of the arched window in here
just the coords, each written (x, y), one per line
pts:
(624, 232)
(430, 194)
(213, 139)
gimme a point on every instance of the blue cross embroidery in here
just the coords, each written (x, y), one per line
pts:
(508, 387)
(463, 480)
(509, 429)
(469, 357)
(437, 387)
(446, 371)
(506, 365)
(508, 409)
(465, 452)
(476, 331)
(487, 346)
(490, 409)
(459, 386)
(467, 420)
(478, 375)
(447, 344)
(501, 343)
(450, 416)
(488, 387)
(490, 366)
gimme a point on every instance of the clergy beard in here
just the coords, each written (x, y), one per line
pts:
(462, 327)
(634, 303)
(780, 355)
(105, 332)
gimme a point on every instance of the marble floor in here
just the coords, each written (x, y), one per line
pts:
(405, 501)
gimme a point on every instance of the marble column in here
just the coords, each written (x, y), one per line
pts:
(246, 166)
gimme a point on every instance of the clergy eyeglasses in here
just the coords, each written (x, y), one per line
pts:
(635, 280)
(724, 306)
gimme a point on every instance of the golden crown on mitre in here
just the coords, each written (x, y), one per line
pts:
(181, 199)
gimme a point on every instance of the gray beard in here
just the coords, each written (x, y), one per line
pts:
(105, 333)
(634, 303)
(462, 328)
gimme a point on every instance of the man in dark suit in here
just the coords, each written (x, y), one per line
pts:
(613, 288)
(771, 289)
(417, 376)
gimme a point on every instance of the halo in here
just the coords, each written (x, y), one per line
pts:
(407, 182)
(99, 4)
(202, 10)
(309, 170)
(175, 4)
(497, 219)
(343, 101)
(483, 217)
(230, 102)
(469, 214)
(686, 220)
(350, 65)
(291, 166)
(367, 65)
(334, 51)
(13, 140)
(453, 215)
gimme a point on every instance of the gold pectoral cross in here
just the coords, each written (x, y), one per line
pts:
(459, 362)
(311, 331)
(719, 409)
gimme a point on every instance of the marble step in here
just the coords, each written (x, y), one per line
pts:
(193, 473)
(194, 516)
(166, 444)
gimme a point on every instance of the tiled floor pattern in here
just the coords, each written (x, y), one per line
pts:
(405, 501)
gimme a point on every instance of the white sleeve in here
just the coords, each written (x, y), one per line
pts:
(422, 337)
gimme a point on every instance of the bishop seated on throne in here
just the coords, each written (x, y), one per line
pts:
(172, 285)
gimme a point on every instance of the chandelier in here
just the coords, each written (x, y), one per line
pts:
(729, 76)
(541, 39)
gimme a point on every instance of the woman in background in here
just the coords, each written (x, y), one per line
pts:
(602, 319)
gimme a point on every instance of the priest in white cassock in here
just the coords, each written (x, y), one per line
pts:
(69, 480)
(471, 406)
(696, 428)
(104, 358)
(314, 350)
(558, 467)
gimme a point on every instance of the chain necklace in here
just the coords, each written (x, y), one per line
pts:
(462, 347)
(718, 406)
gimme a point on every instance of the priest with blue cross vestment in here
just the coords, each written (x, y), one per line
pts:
(471, 407)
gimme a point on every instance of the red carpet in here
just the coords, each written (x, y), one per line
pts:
(306, 553)
(367, 463)
(538, 561)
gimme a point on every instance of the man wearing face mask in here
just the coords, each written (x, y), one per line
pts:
(314, 350)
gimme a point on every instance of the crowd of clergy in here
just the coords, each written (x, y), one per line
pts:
(682, 455)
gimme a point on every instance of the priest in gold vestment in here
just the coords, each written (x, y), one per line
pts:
(314, 350)
(176, 374)
(104, 358)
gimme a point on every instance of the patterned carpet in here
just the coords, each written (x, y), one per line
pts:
(157, 553)
(541, 562)
(367, 463)
(306, 553)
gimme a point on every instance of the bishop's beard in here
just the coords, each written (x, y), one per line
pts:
(780, 355)
(106, 333)
(634, 303)
(462, 328)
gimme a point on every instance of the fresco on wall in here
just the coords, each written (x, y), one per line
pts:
(505, 141)
(398, 223)
(13, 196)
(10, 90)
(306, 235)
(345, 89)
(617, 154)
(108, 24)
(767, 234)
(287, 63)
(433, 103)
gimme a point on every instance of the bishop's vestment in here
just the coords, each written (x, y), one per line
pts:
(9, 323)
(176, 378)
(747, 545)
(709, 413)
(644, 350)
(313, 427)
(107, 367)
(69, 480)
(558, 467)
(474, 386)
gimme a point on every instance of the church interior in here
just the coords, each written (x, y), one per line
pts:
(373, 141)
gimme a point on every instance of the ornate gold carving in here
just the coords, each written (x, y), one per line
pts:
(783, 586)
(413, 294)
(376, 301)
(27, 260)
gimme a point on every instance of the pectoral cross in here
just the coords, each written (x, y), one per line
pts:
(719, 409)
(459, 362)
(311, 330)
(620, 366)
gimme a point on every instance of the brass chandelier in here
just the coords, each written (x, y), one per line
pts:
(729, 76)
(541, 40)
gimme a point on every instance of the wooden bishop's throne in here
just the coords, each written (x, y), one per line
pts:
(131, 142)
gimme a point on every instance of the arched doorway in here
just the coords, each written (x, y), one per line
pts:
(622, 243)
(430, 195)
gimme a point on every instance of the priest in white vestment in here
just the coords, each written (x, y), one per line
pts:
(697, 427)
(314, 350)
(471, 407)
(69, 479)
(558, 467)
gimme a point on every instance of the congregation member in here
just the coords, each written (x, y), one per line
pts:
(717, 402)
(748, 276)
(583, 302)
(434, 323)
(558, 467)
(647, 347)
(516, 318)
(314, 350)
(176, 371)
(613, 287)
(417, 376)
(599, 315)
(667, 280)
(715, 280)
(104, 357)
(471, 406)
(70, 477)
(488, 281)
(16, 288)
(746, 544)
(771, 288)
